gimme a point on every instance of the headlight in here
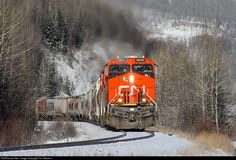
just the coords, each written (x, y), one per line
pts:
(131, 79)
(144, 99)
(119, 100)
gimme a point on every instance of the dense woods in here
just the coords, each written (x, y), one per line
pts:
(29, 29)
(194, 83)
(17, 80)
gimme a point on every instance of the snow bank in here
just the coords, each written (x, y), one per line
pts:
(160, 145)
(86, 131)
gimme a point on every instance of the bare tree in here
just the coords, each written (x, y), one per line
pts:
(15, 71)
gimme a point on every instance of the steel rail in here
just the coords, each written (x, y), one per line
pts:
(114, 139)
(80, 143)
(59, 145)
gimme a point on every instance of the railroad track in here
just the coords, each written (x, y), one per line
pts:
(115, 139)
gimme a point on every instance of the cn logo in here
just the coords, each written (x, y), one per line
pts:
(132, 88)
(120, 89)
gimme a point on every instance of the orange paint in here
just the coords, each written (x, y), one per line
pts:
(131, 86)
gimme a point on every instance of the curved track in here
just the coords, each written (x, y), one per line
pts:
(116, 139)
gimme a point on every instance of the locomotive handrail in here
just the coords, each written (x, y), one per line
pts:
(155, 104)
(112, 99)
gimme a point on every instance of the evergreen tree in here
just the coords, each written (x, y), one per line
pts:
(68, 87)
(78, 37)
(62, 30)
(53, 85)
(49, 32)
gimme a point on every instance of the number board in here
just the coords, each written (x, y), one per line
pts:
(140, 60)
(122, 60)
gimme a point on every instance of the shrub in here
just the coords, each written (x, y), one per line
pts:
(69, 130)
(214, 140)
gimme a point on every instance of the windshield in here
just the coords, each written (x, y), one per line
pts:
(116, 70)
(145, 69)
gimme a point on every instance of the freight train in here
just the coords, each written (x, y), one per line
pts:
(124, 97)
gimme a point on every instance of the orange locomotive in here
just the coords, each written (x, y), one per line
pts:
(127, 93)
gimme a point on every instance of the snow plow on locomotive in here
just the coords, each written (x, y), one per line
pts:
(124, 97)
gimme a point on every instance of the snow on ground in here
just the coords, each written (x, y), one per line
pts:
(85, 132)
(160, 145)
(81, 134)
(96, 132)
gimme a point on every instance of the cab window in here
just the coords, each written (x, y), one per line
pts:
(116, 70)
(144, 69)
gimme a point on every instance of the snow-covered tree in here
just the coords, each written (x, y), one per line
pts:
(52, 88)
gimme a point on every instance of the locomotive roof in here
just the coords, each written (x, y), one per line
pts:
(130, 60)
